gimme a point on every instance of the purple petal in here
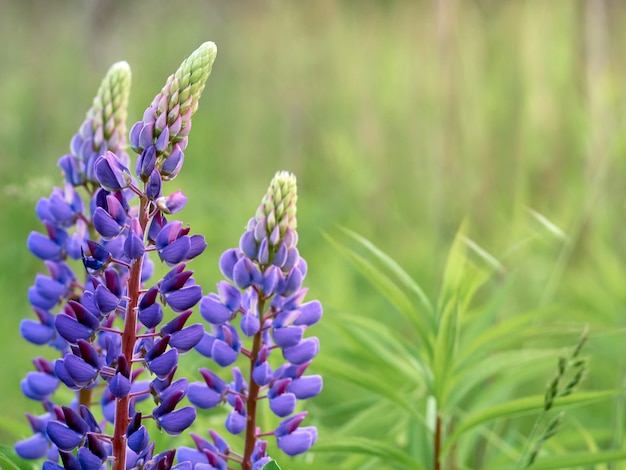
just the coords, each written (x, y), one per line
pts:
(105, 224)
(42, 383)
(227, 262)
(298, 442)
(70, 329)
(187, 338)
(133, 246)
(79, 370)
(310, 313)
(164, 364)
(151, 316)
(306, 387)
(35, 447)
(288, 336)
(184, 299)
(235, 422)
(229, 295)
(35, 332)
(205, 345)
(105, 300)
(283, 405)
(177, 421)
(222, 353)
(202, 396)
(213, 311)
(262, 374)
(119, 386)
(176, 251)
(248, 244)
(64, 438)
(250, 324)
(42, 247)
(303, 352)
(88, 460)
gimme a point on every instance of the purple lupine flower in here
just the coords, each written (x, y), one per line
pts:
(106, 322)
(265, 306)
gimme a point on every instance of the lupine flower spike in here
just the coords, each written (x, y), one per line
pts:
(107, 322)
(260, 311)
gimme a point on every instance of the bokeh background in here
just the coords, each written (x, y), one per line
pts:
(400, 119)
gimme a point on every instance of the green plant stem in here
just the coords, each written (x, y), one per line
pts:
(253, 395)
(129, 337)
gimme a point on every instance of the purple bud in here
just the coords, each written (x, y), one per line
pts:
(173, 163)
(172, 203)
(248, 245)
(262, 374)
(105, 300)
(151, 316)
(250, 324)
(133, 246)
(153, 188)
(146, 163)
(111, 173)
(163, 140)
(227, 262)
(119, 385)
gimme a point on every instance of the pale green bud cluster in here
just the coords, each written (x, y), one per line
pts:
(278, 206)
(110, 107)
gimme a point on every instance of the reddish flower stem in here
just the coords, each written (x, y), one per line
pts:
(129, 337)
(253, 395)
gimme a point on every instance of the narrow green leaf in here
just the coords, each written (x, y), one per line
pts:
(389, 453)
(387, 287)
(507, 330)
(271, 465)
(445, 346)
(523, 406)
(453, 271)
(395, 268)
(356, 376)
(578, 460)
(6, 463)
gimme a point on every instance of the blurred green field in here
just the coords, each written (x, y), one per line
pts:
(400, 120)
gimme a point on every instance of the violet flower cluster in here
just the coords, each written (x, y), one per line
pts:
(105, 316)
(263, 301)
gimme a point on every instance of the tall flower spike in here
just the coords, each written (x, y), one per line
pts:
(161, 137)
(265, 303)
(104, 128)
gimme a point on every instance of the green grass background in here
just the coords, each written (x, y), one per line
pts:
(400, 119)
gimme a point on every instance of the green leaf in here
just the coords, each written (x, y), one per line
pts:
(578, 460)
(367, 381)
(395, 268)
(271, 465)
(355, 445)
(522, 406)
(6, 463)
(387, 287)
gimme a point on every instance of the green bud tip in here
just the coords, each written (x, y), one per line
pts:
(110, 104)
(185, 86)
(278, 206)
